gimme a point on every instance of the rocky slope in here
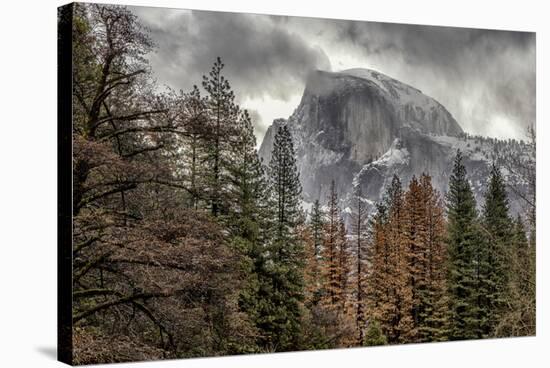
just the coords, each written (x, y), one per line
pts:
(359, 127)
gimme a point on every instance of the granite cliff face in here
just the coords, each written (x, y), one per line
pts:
(359, 127)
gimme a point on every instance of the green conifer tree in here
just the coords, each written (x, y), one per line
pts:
(464, 283)
(497, 231)
(281, 280)
(249, 214)
(222, 117)
(519, 315)
(374, 335)
(316, 224)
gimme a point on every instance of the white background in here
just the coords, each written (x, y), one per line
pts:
(28, 181)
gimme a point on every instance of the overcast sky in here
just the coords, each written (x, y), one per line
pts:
(485, 78)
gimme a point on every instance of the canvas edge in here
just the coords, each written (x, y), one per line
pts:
(64, 184)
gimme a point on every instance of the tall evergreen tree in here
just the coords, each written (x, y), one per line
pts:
(285, 185)
(222, 114)
(324, 325)
(316, 225)
(390, 292)
(432, 307)
(281, 281)
(359, 233)
(248, 187)
(344, 261)
(331, 270)
(465, 267)
(519, 315)
(377, 293)
(497, 230)
(335, 257)
(190, 111)
(400, 327)
(416, 242)
(335, 272)
(249, 214)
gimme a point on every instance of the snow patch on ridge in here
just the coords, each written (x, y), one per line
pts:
(396, 155)
(404, 93)
(390, 162)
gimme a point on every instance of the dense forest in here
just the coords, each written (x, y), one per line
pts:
(186, 244)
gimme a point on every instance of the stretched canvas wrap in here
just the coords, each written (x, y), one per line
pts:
(241, 183)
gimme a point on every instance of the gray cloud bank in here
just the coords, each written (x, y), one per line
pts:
(485, 78)
(261, 58)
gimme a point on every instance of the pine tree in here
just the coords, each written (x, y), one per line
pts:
(389, 287)
(285, 184)
(249, 214)
(374, 335)
(465, 284)
(190, 109)
(314, 252)
(401, 327)
(519, 315)
(432, 311)
(248, 190)
(525, 280)
(359, 233)
(344, 265)
(316, 224)
(311, 286)
(416, 242)
(335, 270)
(497, 227)
(324, 325)
(377, 294)
(222, 115)
(281, 281)
(333, 293)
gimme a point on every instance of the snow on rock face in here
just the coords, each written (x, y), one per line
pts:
(421, 153)
(401, 93)
(360, 127)
(396, 155)
(414, 108)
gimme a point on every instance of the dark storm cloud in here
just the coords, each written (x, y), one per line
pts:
(477, 74)
(485, 78)
(261, 58)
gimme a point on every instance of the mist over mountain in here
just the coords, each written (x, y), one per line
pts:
(359, 127)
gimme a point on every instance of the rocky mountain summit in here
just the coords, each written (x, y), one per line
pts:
(358, 127)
